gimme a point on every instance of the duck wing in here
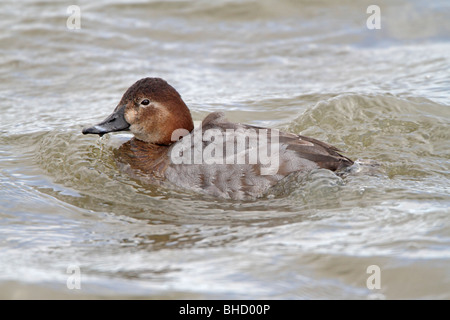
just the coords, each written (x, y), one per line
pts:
(293, 148)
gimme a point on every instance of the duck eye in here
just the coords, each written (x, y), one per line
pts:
(145, 102)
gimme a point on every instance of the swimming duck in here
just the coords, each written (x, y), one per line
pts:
(219, 158)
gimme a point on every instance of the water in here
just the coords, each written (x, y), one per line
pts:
(309, 67)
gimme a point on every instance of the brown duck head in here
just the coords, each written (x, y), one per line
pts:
(151, 109)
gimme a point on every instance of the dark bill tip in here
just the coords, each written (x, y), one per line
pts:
(94, 130)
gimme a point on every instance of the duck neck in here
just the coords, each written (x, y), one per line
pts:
(148, 158)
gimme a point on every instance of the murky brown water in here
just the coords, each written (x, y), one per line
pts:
(307, 67)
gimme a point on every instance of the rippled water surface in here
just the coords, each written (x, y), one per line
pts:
(309, 67)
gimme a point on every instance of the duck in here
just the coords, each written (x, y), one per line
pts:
(218, 158)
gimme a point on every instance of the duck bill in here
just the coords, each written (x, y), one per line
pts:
(115, 122)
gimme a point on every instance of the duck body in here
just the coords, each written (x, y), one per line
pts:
(219, 158)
